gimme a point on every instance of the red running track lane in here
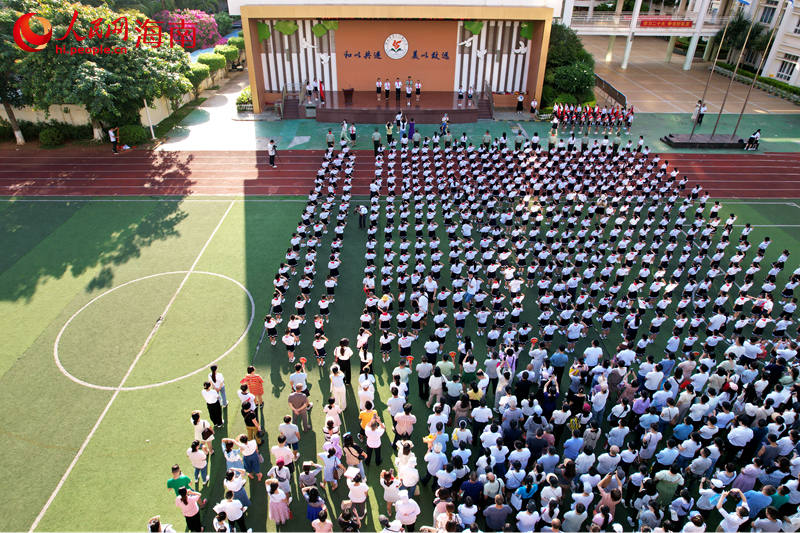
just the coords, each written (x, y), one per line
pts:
(92, 171)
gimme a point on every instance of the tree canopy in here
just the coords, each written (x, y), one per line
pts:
(112, 86)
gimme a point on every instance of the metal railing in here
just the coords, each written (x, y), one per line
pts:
(623, 20)
(612, 92)
(487, 93)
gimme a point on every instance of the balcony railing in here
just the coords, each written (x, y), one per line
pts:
(623, 20)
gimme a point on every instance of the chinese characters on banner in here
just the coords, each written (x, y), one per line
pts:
(415, 54)
(664, 23)
(149, 32)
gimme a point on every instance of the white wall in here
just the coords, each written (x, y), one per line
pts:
(234, 5)
(77, 115)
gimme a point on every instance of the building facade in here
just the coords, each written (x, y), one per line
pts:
(447, 46)
(782, 60)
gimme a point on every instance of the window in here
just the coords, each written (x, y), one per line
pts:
(786, 69)
(768, 13)
(751, 57)
(796, 27)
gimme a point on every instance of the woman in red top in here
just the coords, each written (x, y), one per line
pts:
(255, 384)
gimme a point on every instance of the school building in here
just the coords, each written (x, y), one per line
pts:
(497, 46)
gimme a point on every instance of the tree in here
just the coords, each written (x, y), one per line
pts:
(10, 55)
(566, 48)
(737, 33)
(111, 86)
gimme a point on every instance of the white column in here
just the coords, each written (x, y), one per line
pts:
(566, 15)
(637, 7)
(698, 27)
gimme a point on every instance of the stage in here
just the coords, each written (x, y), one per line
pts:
(366, 109)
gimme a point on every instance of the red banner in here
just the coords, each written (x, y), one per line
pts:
(664, 23)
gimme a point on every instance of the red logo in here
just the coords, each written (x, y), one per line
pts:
(27, 39)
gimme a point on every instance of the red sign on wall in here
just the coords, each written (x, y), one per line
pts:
(664, 23)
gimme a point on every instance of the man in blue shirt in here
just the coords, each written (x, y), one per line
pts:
(572, 447)
(559, 360)
(682, 431)
(759, 500)
(668, 455)
(648, 419)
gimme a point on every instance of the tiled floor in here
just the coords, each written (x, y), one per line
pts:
(654, 86)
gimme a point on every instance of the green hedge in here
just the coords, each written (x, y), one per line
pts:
(769, 81)
(566, 98)
(214, 61)
(238, 42)
(132, 134)
(245, 97)
(51, 136)
(230, 53)
(241, 33)
(198, 72)
(32, 130)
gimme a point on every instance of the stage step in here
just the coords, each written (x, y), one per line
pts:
(292, 107)
(484, 110)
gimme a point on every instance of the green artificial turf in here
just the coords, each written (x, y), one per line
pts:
(58, 255)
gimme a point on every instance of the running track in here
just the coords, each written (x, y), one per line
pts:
(89, 171)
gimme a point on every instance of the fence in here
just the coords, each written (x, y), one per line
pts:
(612, 92)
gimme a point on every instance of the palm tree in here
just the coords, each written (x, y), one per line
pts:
(737, 33)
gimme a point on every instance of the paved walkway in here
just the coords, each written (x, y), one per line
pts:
(215, 125)
(658, 87)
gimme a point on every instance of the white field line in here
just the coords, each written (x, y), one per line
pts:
(126, 376)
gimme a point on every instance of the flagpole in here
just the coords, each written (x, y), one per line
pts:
(711, 73)
(761, 65)
(735, 69)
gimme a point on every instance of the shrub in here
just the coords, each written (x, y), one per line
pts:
(230, 53)
(769, 81)
(6, 132)
(566, 98)
(132, 134)
(51, 137)
(245, 97)
(224, 23)
(214, 61)
(548, 95)
(241, 33)
(206, 30)
(238, 42)
(198, 72)
(573, 79)
(564, 48)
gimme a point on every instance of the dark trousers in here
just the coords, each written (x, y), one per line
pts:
(362, 221)
(424, 388)
(240, 524)
(700, 118)
(114, 146)
(369, 452)
(375, 146)
(345, 366)
(397, 93)
(272, 159)
(215, 413)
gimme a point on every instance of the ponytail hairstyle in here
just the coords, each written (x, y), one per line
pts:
(214, 373)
